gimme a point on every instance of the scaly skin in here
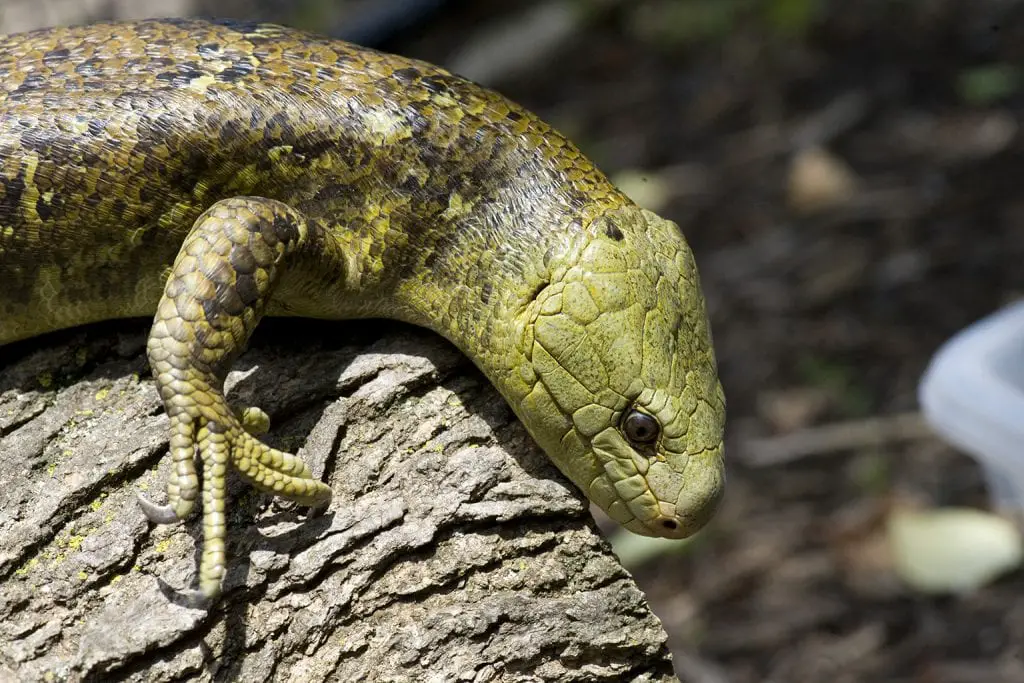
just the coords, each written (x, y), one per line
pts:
(287, 174)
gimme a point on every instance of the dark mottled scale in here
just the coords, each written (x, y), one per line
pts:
(280, 173)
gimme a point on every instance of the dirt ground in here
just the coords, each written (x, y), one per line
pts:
(828, 297)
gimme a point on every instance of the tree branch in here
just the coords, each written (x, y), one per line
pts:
(452, 550)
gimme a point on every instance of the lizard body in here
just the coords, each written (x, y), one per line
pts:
(213, 173)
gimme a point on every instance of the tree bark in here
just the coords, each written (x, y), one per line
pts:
(453, 550)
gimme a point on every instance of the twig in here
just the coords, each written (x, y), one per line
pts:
(840, 436)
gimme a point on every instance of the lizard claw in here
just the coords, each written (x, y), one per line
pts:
(158, 514)
(192, 598)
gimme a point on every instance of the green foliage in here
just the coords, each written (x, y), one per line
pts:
(790, 18)
(636, 551)
(840, 381)
(676, 22)
(312, 15)
(985, 85)
(872, 473)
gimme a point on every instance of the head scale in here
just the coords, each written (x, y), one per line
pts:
(623, 388)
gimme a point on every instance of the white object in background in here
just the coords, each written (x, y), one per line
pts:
(973, 395)
(952, 550)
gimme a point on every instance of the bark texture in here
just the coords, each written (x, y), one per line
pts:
(453, 551)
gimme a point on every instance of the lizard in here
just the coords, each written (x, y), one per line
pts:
(209, 173)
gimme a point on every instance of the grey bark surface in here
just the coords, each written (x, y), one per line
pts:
(453, 550)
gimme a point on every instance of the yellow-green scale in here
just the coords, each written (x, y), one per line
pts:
(315, 178)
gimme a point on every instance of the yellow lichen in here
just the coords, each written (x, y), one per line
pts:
(27, 567)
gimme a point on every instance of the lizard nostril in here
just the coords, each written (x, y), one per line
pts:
(670, 524)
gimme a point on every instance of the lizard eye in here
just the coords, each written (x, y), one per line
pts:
(640, 427)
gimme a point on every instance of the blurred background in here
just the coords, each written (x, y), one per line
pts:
(849, 174)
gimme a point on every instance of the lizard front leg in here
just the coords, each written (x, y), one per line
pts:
(217, 292)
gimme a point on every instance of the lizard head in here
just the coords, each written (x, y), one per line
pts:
(621, 386)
